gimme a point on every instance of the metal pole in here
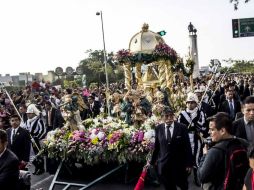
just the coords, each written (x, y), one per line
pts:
(105, 61)
(209, 83)
(221, 80)
(8, 95)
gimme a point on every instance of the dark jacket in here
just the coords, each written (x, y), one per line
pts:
(207, 109)
(94, 110)
(239, 128)
(247, 180)
(175, 155)
(21, 144)
(211, 171)
(224, 107)
(9, 170)
(57, 120)
(24, 117)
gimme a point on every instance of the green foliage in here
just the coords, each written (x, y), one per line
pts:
(70, 84)
(236, 3)
(227, 69)
(13, 88)
(78, 80)
(240, 66)
(94, 68)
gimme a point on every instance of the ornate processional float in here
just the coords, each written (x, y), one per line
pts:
(163, 66)
(106, 139)
(111, 140)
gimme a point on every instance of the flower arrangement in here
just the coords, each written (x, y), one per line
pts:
(190, 65)
(105, 140)
(163, 51)
(57, 142)
(123, 56)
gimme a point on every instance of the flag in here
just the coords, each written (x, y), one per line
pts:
(141, 181)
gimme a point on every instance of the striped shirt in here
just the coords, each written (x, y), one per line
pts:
(36, 127)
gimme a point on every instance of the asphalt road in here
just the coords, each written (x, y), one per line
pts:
(116, 181)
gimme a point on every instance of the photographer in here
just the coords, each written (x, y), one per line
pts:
(213, 173)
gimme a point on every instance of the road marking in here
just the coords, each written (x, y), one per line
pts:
(42, 181)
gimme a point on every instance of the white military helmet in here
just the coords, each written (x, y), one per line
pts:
(191, 97)
(33, 109)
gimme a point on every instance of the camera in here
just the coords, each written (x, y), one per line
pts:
(208, 141)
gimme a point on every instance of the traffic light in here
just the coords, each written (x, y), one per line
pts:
(162, 33)
(235, 28)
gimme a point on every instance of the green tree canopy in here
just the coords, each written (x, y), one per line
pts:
(240, 66)
(94, 67)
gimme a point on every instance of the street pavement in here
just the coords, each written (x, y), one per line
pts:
(114, 182)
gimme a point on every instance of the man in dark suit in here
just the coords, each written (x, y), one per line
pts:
(54, 118)
(22, 111)
(9, 165)
(172, 152)
(19, 141)
(244, 127)
(94, 107)
(230, 105)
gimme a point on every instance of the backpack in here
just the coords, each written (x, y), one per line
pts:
(236, 164)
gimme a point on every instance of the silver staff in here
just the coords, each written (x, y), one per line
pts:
(6, 92)
(222, 79)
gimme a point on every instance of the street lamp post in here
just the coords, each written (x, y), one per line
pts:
(105, 60)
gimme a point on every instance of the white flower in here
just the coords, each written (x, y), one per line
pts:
(93, 131)
(127, 131)
(93, 136)
(96, 121)
(50, 136)
(101, 135)
(149, 134)
(110, 119)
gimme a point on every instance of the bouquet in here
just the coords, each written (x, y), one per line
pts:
(163, 51)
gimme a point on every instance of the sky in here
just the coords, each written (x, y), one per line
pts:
(40, 35)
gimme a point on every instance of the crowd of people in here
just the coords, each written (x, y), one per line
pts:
(221, 111)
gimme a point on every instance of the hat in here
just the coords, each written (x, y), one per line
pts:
(33, 109)
(191, 97)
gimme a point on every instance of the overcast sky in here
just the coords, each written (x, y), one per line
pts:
(40, 35)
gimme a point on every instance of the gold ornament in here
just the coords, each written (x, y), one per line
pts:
(127, 74)
(162, 74)
(139, 75)
(169, 75)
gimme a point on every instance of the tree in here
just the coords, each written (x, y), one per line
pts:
(236, 3)
(70, 84)
(94, 67)
(240, 66)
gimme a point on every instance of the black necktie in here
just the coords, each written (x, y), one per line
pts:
(232, 112)
(13, 135)
(168, 133)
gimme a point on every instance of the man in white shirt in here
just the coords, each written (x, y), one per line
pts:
(19, 141)
(173, 165)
